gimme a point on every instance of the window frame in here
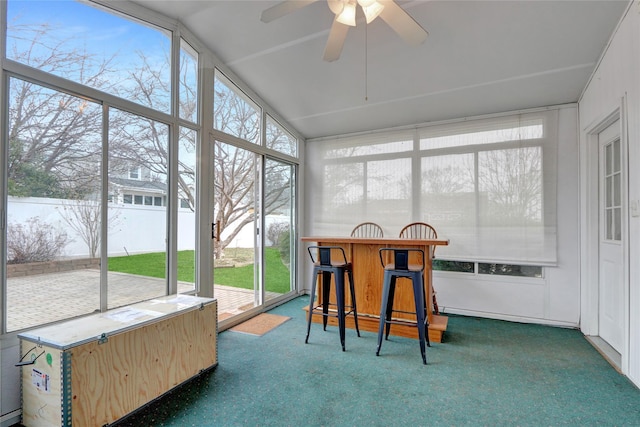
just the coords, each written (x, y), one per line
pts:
(202, 126)
(340, 151)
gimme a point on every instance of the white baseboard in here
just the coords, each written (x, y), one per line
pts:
(609, 353)
(510, 318)
(11, 418)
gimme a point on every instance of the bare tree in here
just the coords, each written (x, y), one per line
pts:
(53, 135)
(58, 136)
(512, 178)
(445, 180)
(83, 216)
(236, 169)
(234, 180)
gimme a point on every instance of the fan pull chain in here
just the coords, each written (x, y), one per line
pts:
(366, 63)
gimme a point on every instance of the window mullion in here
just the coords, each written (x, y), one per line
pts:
(104, 212)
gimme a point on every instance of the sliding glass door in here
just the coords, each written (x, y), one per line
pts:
(279, 225)
(234, 228)
(253, 228)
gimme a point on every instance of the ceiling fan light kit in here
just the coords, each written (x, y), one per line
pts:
(348, 15)
(345, 16)
(345, 10)
(372, 10)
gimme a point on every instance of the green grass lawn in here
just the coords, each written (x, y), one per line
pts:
(153, 265)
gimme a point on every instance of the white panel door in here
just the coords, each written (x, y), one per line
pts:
(611, 244)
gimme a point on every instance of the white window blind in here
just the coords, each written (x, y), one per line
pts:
(487, 185)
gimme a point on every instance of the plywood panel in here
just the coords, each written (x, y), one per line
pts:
(113, 379)
(41, 386)
(105, 379)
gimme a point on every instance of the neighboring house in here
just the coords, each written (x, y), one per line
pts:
(138, 187)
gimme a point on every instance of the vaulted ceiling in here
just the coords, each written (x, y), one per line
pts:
(481, 57)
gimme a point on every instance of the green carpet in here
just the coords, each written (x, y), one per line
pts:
(486, 373)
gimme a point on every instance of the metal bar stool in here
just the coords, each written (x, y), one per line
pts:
(400, 267)
(422, 230)
(325, 266)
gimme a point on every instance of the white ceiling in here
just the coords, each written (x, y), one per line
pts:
(481, 57)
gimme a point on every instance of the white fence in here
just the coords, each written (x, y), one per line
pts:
(132, 228)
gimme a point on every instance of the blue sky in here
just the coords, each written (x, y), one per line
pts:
(88, 25)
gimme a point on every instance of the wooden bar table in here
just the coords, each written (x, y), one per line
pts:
(368, 272)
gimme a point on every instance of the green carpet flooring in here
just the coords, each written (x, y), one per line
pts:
(486, 373)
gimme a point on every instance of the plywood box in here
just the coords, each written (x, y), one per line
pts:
(94, 370)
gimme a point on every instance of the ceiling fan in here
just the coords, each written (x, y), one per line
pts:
(345, 16)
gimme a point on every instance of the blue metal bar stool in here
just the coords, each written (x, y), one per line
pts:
(325, 266)
(400, 267)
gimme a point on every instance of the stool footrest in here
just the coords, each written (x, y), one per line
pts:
(332, 311)
(403, 322)
(404, 312)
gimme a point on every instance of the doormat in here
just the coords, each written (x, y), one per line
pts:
(261, 324)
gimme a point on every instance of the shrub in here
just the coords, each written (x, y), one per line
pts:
(34, 241)
(275, 230)
(284, 246)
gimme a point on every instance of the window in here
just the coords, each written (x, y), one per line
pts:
(453, 266)
(188, 82)
(233, 112)
(58, 140)
(488, 185)
(134, 173)
(136, 138)
(346, 191)
(510, 270)
(483, 186)
(186, 266)
(612, 192)
(254, 181)
(71, 43)
(103, 91)
(279, 139)
(488, 268)
(51, 211)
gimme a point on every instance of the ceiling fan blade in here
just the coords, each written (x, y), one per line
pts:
(283, 8)
(402, 23)
(337, 36)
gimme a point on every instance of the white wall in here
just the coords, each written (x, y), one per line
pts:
(554, 299)
(616, 85)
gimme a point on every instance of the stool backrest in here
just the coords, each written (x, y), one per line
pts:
(323, 255)
(401, 257)
(367, 229)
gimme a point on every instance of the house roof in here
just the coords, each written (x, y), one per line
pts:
(139, 185)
